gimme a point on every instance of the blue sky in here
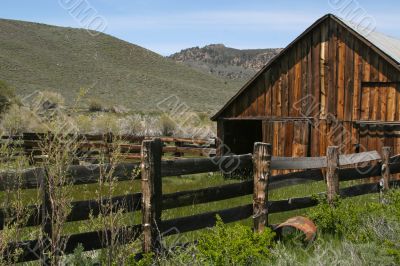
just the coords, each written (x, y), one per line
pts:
(167, 26)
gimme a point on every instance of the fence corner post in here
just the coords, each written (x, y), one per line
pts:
(385, 173)
(261, 174)
(151, 193)
(332, 174)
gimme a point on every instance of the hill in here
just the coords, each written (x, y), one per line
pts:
(226, 62)
(43, 57)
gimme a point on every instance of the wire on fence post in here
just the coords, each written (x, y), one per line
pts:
(151, 193)
(261, 174)
(332, 174)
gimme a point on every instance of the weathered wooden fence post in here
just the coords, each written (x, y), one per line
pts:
(109, 138)
(151, 193)
(332, 175)
(261, 174)
(47, 226)
(385, 173)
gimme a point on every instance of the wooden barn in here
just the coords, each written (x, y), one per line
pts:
(335, 84)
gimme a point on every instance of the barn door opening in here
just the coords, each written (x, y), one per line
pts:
(289, 138)
(379, 117)
(240, 135)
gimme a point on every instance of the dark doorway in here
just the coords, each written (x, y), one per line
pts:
(240, 135)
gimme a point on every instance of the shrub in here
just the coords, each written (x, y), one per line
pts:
(95, 106)
(363, 223)
(80, 258)
(343, 219)
(105, 123)
(167, 125)
(19, 119)
(234, 245)
(7, 93)
(132, 125)
(84, 123)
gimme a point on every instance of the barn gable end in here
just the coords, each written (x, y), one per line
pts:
(330, 86)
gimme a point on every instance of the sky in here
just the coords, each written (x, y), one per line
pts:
(167, 26)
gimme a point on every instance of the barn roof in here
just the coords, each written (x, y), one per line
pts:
(388, 47)
(387, 44)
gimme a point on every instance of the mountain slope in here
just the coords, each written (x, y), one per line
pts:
(42, 57)
(224, 61)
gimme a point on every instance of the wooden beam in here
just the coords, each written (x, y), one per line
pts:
(205, 165)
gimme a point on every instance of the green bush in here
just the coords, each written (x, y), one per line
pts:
(234, 245)
(7, 93)
(167, 125)
(363, 223)
(344, 218)
(95, 106)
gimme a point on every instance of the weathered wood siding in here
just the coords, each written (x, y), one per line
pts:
(335, 79)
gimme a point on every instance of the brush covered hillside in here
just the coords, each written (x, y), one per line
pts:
(42, 57)
(226, 62)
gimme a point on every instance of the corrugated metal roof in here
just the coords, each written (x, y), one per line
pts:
(387, 44)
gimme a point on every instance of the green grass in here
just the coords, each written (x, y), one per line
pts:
(182, 183)
(43, 57)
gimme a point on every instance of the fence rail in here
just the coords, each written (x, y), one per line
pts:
(151, 201)
(129, 146)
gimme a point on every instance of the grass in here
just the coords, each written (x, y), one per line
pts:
(190, 182)
(174, 184)
(43, 57)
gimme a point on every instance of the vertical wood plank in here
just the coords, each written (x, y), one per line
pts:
(323, 73)
(349, 77)
(220, 137)
(261, 95)
(284, 87)
(262, 172)
(151, 193)
(268, 93)
(332, 176)
(297, 79)
(391, 103)
(289, 138)
(340, 73)
(333, 66)
(357, 82)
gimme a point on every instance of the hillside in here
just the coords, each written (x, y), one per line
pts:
(226, 62)
(42, 57)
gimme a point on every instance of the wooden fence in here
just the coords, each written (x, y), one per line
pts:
(152, 201)
(129, 146)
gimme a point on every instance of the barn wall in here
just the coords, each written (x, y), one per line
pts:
(327, 75)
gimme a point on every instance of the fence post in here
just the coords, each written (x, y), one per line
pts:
(109, 145)
(261, 174)
(332, 175)
(151, 193)
(385, 173)
(46, 225)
